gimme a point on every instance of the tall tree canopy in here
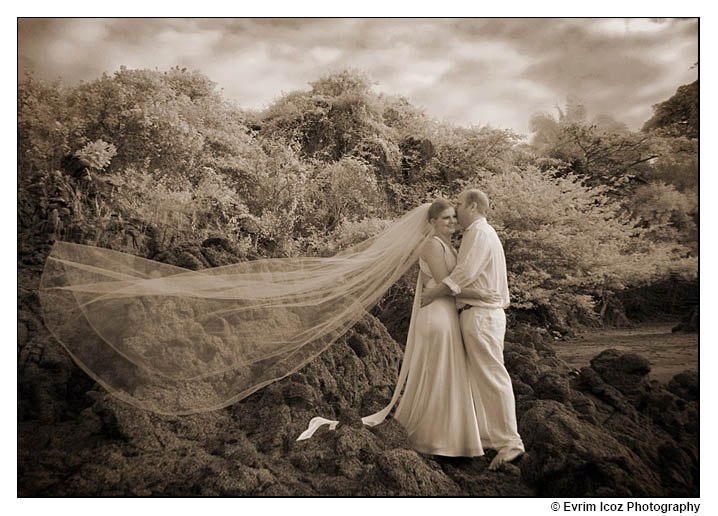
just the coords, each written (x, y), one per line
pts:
(677, 116)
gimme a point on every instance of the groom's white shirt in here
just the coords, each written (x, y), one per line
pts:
(480, 264)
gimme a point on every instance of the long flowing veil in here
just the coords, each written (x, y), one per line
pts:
(378, 417)
(176, 341)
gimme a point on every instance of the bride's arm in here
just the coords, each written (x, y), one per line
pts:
(433, 255)
(486, 295)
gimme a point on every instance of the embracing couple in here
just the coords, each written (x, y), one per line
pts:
(457, 397)
(235, 329)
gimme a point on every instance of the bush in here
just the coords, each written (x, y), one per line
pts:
(667, 214)
(567, 244)
(155, 159)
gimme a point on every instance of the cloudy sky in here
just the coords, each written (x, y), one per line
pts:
(467, 71)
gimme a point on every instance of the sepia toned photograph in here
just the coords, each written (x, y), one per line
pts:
(359, 257)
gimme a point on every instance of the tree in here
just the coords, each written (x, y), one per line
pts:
(568, 244)
(338, 117)
(43, 126)
(667, 214)
(546, 131)
(677, 116)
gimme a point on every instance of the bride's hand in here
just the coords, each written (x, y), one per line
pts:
(489, 296)
(427, 298)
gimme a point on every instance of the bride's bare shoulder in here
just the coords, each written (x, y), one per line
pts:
(432, 249)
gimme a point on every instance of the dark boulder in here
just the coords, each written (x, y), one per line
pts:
(689, 322)
(685, 385)
(571, 457)
(625, 371)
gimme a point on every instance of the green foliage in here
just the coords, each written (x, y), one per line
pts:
(96, 155)
(560, 238)
(463, 153)
(677, 164)
(668, 214)
(46, 199)
(679, 115)
(53, 203)
(601, 156)
(586, 210)
(653, 177)
(351, 233)
(173, 122)
(605, 152)
(42, 138)
(346, 190)
(338, 117)
(567, 243)
(180, 211)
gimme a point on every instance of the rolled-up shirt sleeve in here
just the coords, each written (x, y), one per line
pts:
(472, 255)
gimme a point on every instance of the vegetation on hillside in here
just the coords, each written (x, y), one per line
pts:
(585, 209)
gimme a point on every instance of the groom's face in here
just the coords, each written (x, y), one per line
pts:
(462, 213)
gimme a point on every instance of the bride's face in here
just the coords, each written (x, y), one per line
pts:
(445, 223)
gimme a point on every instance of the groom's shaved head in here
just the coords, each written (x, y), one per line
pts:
(477, 197)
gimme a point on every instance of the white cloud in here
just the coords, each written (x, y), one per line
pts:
(85, 31)
(623, 26)
(324, 55)
(468, 71)
(195, 44)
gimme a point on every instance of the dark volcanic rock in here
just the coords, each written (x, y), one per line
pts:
(405, 473)
(571, 457)
(685, 385)
(608, 431)
(186, 256)
(690, 322)
(624, 371)
(219, 251)
(552, 386)
(584, 406)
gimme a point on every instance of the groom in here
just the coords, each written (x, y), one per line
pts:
(481, 264)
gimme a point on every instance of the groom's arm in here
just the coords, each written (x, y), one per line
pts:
(486, 295)
(473, 255)
(442, 289)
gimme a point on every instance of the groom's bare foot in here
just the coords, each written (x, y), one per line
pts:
(504, 456)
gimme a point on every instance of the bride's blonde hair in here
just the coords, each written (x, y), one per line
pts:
(437, 207)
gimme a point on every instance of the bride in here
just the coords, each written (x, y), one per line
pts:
(437, 407)
(175, 341)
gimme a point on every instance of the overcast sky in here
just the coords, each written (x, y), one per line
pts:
(467, 71)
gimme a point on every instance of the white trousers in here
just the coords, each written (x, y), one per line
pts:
(483, 330)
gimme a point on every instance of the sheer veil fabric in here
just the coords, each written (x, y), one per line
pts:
(176, 341)
(378, 417)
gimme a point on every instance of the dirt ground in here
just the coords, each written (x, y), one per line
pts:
(669, 353)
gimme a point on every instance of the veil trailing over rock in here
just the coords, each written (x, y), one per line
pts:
(176, 341)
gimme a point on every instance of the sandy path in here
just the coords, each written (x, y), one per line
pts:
(669, 353)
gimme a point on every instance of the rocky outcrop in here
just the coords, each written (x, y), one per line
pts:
(607, 430)
(689, 322)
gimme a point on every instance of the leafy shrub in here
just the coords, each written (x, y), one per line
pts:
(585, 211)
(96, 155)
(666, 213)
(42, 136)
(567, 244)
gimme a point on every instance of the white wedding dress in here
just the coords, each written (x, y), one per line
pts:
(437, 407)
